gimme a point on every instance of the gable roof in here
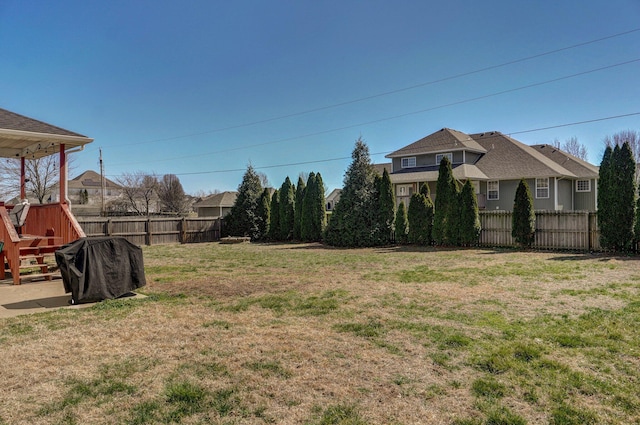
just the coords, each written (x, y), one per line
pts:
(224, 199)
(509, 159)
(28, 137)
(577, 166)
(445, 140)
(90, 180)
(502, 158)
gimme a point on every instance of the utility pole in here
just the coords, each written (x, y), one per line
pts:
(102, 212)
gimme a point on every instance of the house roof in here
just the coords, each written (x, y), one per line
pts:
(424, 174)
(21, 136)
(223, 199)
(445, 140)
(381, 167)
(90, 180)
(574, 164)
(509, 159)
(503, 158)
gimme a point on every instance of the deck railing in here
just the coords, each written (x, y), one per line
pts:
(57, 217)
(47, 224)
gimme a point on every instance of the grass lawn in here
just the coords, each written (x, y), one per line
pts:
(304, 334)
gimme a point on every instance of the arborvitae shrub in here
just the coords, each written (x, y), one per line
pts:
(287, 208)
(420, 219)
(444, 194)
(274, 217)
(523, 218)
(297, 213)
(469, 217)
(401, 224)
(385, 208)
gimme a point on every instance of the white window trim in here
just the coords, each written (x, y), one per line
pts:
(439, 157)
(588, 189)
(408, 159)
(540, 187)
(497, 190)
(403, 190)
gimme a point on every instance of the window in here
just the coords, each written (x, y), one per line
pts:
(439, 157)
(542, 188)
(583, 185)
(406, 190)
(493, 190)
(409, 162)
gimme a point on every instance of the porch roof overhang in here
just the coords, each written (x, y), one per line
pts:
(34, 145)
(460, 172)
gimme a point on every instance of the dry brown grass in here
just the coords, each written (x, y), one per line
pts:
(281, 333)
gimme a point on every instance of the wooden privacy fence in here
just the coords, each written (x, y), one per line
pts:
(573, 230)
(152, 231)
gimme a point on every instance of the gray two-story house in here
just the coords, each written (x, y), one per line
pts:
(495, 163)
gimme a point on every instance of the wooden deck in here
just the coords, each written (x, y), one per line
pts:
(29, 252)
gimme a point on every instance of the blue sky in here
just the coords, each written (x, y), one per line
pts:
(200, 89)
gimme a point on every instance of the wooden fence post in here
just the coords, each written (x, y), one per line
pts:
(149, 238)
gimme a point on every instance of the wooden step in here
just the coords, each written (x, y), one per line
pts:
(37, 276)
(36, 250)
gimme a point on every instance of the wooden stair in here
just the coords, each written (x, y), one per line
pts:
(38, 262)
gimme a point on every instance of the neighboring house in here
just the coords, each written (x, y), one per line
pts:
(332, 200)
(495, 163)
(379, 168)
(85, 193)
(217, 205)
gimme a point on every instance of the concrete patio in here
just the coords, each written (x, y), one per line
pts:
(35, 297)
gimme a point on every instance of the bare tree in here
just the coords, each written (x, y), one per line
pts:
(205, 193)
(264, 180)
(171, 194)
(139, 190)
(572, 146)
(40, 174)
(9, 178)
(630, 136)
(633, 138)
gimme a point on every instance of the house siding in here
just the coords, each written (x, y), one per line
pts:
(546, 204)
(429, 160)
(472, 157)
(565, 194)
(585, 201)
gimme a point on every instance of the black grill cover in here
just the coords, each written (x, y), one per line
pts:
(95, 269)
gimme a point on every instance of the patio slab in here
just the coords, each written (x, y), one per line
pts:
(35, 297)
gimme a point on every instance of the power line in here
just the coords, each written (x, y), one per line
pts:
(574, 123)
(386, 152)
(460, 102)
(390, 92)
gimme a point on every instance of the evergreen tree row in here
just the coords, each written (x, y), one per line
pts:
(617, 199)
(298, 213)
(286, 214)
(453, 220)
